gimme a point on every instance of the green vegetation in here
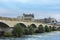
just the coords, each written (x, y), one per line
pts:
(26, 31)
(41, 29)
(31, 30)
(7, 34)
(47, 29)
(18, 30)
(54, 28)
(50, 28)
(58, 28)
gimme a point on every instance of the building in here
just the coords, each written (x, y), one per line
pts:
(47, 20)
(30, 17)
(26, 17)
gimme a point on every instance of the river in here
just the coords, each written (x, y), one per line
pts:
(44, 36)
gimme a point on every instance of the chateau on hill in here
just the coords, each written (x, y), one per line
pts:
(30, 17)
(26, 17)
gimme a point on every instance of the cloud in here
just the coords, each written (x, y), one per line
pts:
(13, 7)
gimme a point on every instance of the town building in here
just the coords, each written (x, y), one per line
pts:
(26, 17)
(47, 20)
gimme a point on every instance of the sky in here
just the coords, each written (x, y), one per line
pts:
(40, 8)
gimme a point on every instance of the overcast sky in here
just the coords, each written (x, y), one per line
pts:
(40, 8)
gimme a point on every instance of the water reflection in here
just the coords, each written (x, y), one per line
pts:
(44, 36)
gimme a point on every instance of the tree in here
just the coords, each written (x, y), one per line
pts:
(50, 28)
(47, 28)
(58, 28)
(53, 28)
(26, 31)
(7, 34)
(31, 30)
(41, 29)
(18, 30)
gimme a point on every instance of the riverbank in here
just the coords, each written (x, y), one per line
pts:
(44, 36)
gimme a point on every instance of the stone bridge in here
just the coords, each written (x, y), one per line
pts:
(7, 25)
(13, 23)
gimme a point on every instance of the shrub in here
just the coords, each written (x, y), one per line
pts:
(31, 30)
(7, 34)
(58, 28)
(53, 28)
(18, 30)
(26, 31)
(47, 29)
(41, 29)
(50, 28)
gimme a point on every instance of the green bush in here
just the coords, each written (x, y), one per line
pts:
(26, 31)
(7, 34)
(17, 30)
(54, 28)
(47, 29)
(50, 28)
(58, 29)
(31, 30)
(41, 29)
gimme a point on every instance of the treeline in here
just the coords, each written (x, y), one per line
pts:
(20, 30)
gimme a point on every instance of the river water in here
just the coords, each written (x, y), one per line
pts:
(44, 36)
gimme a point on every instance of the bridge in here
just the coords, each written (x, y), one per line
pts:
(12, 23)
(6, 24)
